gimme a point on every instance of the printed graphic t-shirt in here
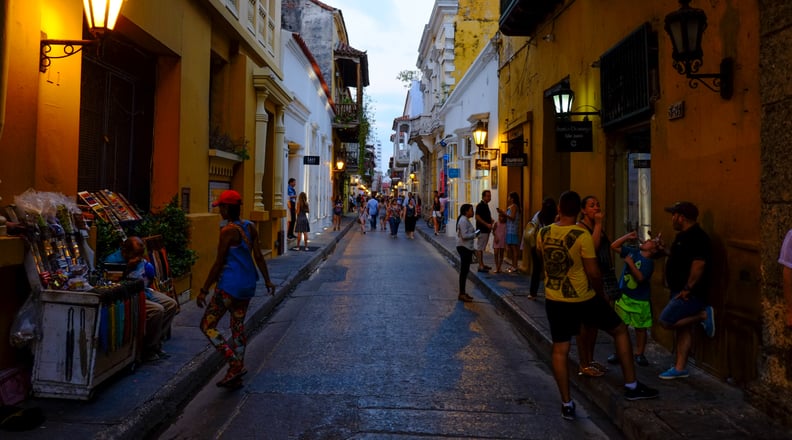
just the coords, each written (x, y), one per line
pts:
(563, 249)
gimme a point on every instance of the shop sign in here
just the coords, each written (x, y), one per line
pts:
(482, 164)
(514, 159)
(453, 173)
(310, 160)
(574, 136)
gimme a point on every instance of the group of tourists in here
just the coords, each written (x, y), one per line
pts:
(569, 249)
(391, 211)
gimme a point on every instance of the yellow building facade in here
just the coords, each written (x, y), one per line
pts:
(655, 138)
(151, 92)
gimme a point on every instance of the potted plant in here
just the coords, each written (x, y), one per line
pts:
(172, 224)
(222, 141)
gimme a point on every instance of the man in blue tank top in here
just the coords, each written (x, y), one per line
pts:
(235, 276)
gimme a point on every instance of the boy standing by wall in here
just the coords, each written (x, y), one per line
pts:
(633, 306)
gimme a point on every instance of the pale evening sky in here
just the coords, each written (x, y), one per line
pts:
(389, 31)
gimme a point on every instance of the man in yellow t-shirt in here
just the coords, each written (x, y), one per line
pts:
(574, 296)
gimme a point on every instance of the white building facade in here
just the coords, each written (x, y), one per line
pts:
(308, 130)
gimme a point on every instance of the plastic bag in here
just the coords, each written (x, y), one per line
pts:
(26, 327)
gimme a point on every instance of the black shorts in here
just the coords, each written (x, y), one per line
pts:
(565, 318)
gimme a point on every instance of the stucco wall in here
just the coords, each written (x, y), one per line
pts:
(710, 156)
(773, 390)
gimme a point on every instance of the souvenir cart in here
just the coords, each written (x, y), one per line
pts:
(89, 328)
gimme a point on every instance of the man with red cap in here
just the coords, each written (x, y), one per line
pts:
(687, 277)
(235, 274)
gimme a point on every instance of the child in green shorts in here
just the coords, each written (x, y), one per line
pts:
(634, 307)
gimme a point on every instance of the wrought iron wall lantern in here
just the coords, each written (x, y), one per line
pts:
(563, 98)
(101, 16)
(480, 134)
(686, 26)
(340, 162)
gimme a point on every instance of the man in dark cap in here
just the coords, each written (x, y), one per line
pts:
(686, 274)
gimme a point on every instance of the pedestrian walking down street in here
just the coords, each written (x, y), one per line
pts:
(363, 217)
(394, 217)
(338, 210)
(382, 208)
(466, 234)
(303, 227)
(484, 224)
(574, 296)
(410, 218)
(687, 276)
(437, 213)
(234, 276)
(373, 210)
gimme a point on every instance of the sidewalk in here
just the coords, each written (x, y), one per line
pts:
(131, 406)
(700, 406)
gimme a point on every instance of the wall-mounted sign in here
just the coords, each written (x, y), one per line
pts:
(574, 136)
(482, 164)
(310, 160)
(676, 110)
(512, 159)
(453, 173)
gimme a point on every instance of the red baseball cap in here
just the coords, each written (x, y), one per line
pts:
(228, 197)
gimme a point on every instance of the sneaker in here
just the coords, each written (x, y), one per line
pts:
(568, 412)
(640, 392)
(613, 359)
(673, 373)
(641, 360)
(709, 322)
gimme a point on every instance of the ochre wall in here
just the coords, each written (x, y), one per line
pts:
(710, 157)
(476, 23)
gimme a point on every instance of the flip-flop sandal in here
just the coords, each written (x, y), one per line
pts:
(590, 372)
(234, 384)
(232, 377)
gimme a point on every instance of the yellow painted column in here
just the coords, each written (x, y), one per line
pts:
(261, 148)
